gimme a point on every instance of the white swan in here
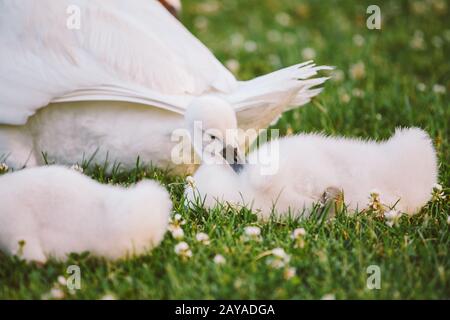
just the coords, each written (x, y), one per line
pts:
(305, 168)
(53, 211)
(113, 79)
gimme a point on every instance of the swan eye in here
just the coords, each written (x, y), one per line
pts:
(213, 137)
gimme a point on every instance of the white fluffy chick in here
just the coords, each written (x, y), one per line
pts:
(52, 211)
(294, 173)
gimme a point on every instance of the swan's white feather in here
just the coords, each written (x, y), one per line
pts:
(119, 43)
(127, 51)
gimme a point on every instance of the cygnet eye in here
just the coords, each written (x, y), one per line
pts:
(213, 137)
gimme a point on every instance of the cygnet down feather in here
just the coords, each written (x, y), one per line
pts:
(52, 211)
(402, 170)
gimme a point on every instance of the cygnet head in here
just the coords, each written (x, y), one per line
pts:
(212, 124)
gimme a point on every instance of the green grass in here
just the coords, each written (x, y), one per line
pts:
(413, 256)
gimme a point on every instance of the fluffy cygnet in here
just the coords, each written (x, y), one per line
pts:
(53, 211)
(294, 173)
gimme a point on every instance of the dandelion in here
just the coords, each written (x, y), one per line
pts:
(203, 238)
(392, 217)
(289, 273)
(298, 236)
(182, 249)
(219, 259)
(283, 19)
(252, 233)
(233, 65)
(308, 53)
(358, 71)
(190, 181)
(3, 167)
(278, 259)
(358, 40)
(439, 89)
(437, 195)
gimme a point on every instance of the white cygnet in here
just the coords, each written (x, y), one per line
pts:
(294, 173)
(52, 211)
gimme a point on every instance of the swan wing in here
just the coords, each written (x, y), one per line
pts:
(77, 50)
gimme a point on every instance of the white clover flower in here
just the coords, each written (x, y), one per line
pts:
(219, 259)
(283, 18)
(203, 238)
(358, 93)
(439, 89)
(201, 23)
(62, 280)
(421, 87)
(108, 296)
(308, 53)
(418, 42)
(298, 233)
(177, 232)
(345, 98)
(448, 220)
(375, 202)
(289, 273)
(337, 75)
(190, 181)
(182, 249)
(278, 259)
(329, 296)
(392, 217)
(233, 65)
(250, 46)
(358, 40)
(3, 167)
(358, 71)
(252, 233)
(237, 40)
(274, 36)
(77, 167)
(437, 41)
(57, 293)
(176, 221)
(438, 193)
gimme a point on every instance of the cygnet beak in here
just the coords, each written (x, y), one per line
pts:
(233, 158)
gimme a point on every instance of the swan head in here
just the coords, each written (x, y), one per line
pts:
(212, 124)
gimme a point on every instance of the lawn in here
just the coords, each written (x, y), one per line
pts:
(396, 76)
